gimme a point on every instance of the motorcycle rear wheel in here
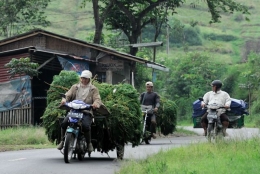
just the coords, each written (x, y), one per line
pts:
(68, 148)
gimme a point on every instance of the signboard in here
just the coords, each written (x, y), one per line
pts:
(15, 93)
(106, 64)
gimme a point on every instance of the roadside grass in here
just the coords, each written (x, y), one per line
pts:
(23, 138)
(232, 156)
(180, 131)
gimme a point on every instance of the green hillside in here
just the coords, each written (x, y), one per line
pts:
(232, 25)
(230, 41)
(67, 18)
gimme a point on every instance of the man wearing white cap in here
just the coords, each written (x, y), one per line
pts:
(150, 98)
(89, 94)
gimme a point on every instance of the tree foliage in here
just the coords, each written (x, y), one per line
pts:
(189, 78)
(22, 66)
(20, 15)
(132, 16)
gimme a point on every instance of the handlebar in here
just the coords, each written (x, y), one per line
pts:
(220, 107)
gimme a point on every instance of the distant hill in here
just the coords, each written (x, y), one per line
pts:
(233, 38)
(67, 18)
(230, 41)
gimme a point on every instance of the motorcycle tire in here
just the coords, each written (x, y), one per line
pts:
(68, 148)
(209, 132)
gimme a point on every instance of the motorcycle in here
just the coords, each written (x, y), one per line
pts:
(101, 138)
(214, 130)
(75, 142)
(147, 111)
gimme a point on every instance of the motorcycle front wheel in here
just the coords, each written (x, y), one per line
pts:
(209, 131)
(68, 148)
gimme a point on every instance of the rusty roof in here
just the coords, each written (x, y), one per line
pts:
(79, 42)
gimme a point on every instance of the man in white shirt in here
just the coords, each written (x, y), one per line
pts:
(219, 97)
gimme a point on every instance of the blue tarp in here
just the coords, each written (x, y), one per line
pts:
(15, 93)
(197, 109)
(73, 64)
(238, 107)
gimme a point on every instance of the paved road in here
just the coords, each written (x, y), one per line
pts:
(50, 161)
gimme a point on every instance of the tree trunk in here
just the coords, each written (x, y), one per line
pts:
(133, 40)
(98, 23)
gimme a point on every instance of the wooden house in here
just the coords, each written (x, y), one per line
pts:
(54, 52)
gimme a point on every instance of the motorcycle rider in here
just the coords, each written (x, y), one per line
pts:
(219, 97)
(151, 98)
(87, 93)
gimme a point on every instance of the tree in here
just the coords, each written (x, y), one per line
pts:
(189, 78)
(251, 80)
(18, 15)
(22, 66)
(131, 16)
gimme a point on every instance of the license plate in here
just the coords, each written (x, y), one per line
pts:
(75, 115)
(212, 116)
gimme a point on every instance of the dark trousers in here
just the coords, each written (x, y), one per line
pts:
(151, 121)
(86, 122)
(86, 126)
(223, 117)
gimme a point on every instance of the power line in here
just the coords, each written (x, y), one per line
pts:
(60, 21)
(65, 13)
(72, 20)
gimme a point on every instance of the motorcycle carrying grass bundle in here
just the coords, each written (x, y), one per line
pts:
(121, 100)
(238, 109)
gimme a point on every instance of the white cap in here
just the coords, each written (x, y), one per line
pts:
(149, 84)
(86, 74)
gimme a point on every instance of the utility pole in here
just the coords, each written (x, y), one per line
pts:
(168, 40)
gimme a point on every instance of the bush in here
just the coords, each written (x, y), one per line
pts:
(239, 17)
(219, 37)
(189, 35)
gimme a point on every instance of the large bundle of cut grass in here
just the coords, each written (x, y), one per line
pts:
(121, 100)
(167, 116)
(125, 118)
(61, 84)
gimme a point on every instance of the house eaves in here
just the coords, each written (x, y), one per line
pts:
(78, 42)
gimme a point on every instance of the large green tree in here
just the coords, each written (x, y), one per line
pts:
(20, 15)
(189, 78)
(132, 16)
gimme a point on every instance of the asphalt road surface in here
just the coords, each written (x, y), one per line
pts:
(50, 161)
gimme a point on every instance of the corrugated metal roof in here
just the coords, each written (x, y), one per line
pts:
(79, 42)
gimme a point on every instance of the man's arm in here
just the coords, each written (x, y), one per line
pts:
(157, 102)
(227, 101)
(205, 99)
(68, 95)
(96, 99)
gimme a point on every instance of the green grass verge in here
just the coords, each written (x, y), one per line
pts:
(233, 157)
(23, 138)
(180, 131)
